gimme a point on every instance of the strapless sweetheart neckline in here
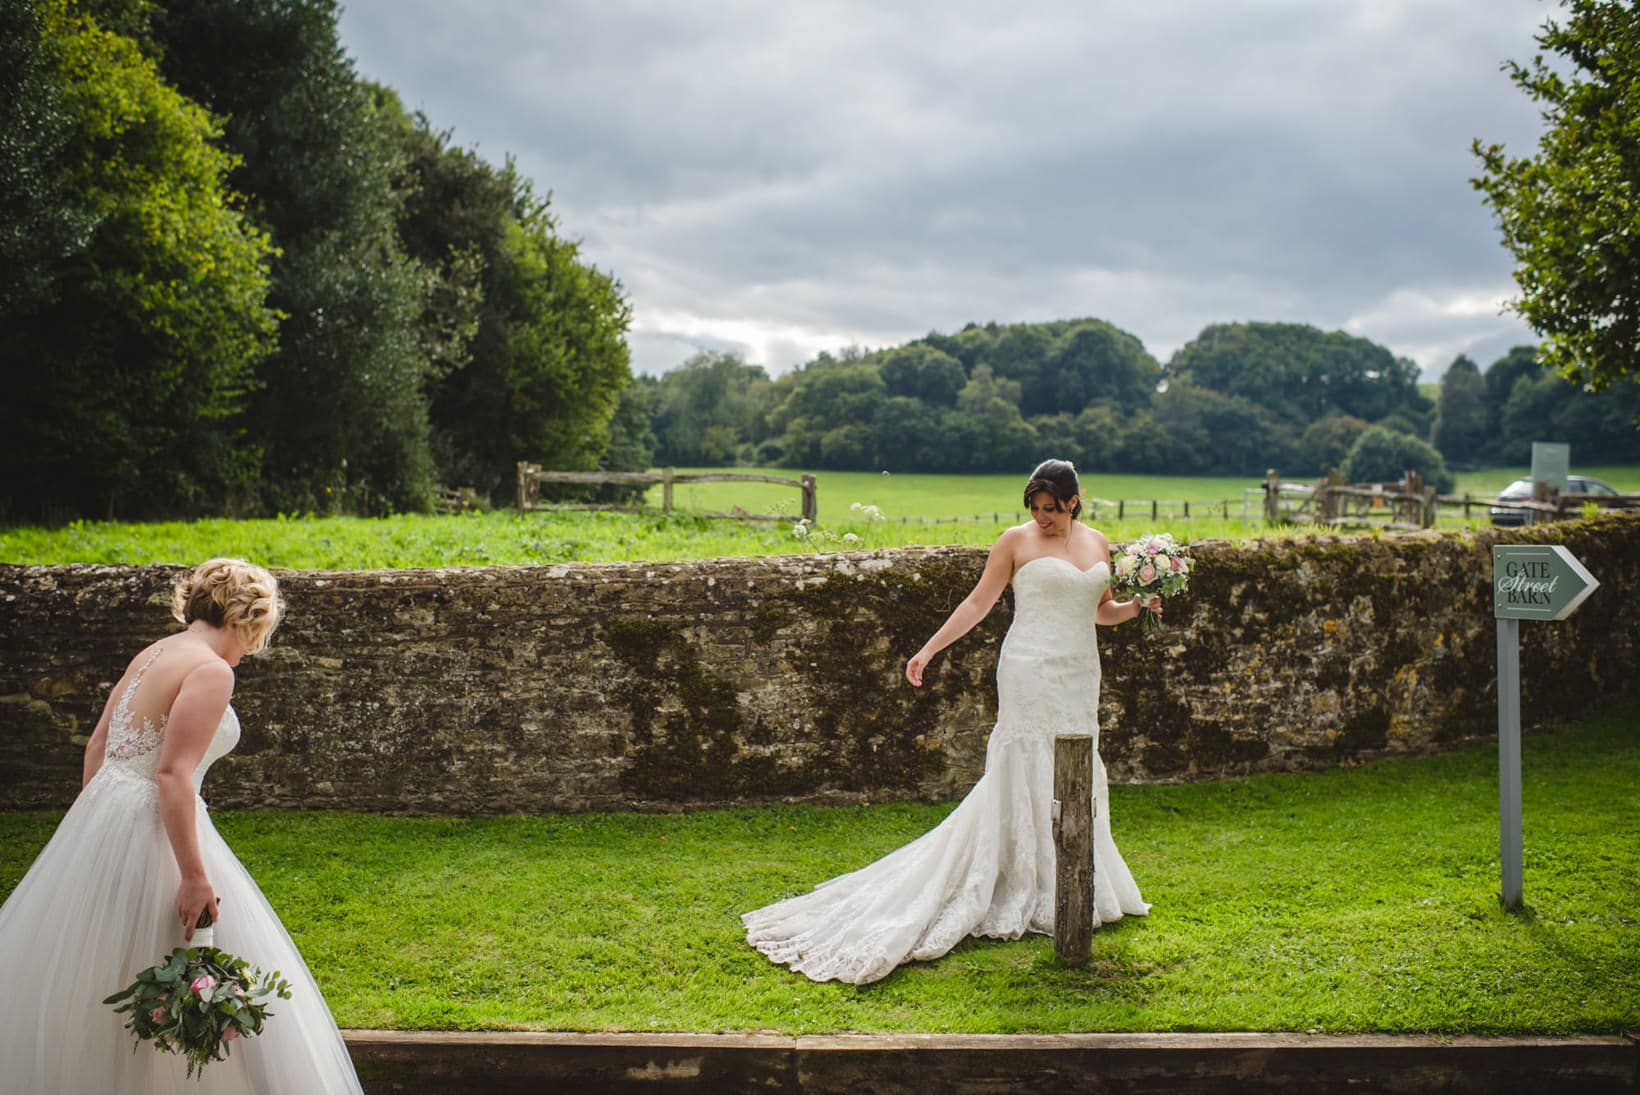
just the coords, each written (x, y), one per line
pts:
(1067, 562)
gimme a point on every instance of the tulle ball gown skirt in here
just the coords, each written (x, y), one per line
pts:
(96, 907)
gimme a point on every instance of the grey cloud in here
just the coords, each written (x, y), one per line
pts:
(874, 171)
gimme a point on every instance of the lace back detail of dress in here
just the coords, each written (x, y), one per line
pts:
(126, 740)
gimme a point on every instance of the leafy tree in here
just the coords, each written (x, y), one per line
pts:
(831, 398)
(343, 413)
(1301, 373)
(1463, 428)
(923, 372)
(1092, 361)
(42, 221)
(453, 212)
(141, 348)
(1599, 427)
(1210, 432)
(549, 359)
(1501, 375)
(1104, 439)
(1570, 215)
(631, 448)
(1324, 444)
(631, 440)
(525, 343)
(986, 431)
(1383, 456)
(708, 408)
(1062, 366)
(1526, 401)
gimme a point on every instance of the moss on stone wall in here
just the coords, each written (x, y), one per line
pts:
(668, 685)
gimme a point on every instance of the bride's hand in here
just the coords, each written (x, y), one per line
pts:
(1153, 604)
(914, 668)
(193, 897)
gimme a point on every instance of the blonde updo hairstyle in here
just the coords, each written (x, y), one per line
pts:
(230, 593)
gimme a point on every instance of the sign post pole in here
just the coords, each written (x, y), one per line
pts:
(1529, 582)
(1510, 842)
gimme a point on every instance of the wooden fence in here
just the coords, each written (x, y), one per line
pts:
(531, 476)
(1409, 504)
(1157, 509)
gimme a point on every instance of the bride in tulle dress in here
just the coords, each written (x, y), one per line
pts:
(988, 868)
(134, 862)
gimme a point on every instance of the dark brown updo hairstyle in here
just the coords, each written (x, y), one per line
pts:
(230, 593)
(1058, 478)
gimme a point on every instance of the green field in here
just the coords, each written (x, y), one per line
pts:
(917, 509)
(1359, 899)
(947, 496)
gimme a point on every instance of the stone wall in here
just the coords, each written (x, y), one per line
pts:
(622, 686)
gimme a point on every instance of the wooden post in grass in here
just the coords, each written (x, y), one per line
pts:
(811, 501)
(1073, 847)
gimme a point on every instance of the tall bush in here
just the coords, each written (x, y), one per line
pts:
(1382, 455)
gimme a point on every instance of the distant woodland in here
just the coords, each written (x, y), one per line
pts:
(1239, 398)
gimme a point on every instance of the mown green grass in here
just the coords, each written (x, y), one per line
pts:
(918, 509)
(1362, 899)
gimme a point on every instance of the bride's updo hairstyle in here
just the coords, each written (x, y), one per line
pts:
(230, 593)
(1058, 478)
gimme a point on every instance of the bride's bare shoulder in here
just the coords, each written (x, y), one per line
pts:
(1011, 543)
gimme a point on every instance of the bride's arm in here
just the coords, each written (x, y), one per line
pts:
(999, 568)
(200, 701)
(1110, 610)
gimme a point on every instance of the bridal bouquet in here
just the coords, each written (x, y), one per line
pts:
(198, 1000)
(1154, 565)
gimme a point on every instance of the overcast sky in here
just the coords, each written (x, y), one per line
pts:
(785, 178)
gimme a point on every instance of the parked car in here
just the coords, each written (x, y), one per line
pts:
(1522, 488)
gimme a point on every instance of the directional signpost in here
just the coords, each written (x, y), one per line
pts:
(1529, 582)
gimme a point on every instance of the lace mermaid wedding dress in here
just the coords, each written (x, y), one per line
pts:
(98, 905)
(988, 868)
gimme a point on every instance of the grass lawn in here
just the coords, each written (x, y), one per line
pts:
(968, 509)
(1362, 899)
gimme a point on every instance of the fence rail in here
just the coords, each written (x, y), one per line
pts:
(1183, 509)
(531, 476)
(1409, 504)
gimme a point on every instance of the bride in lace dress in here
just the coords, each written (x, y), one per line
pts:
(132, 865)
(988, 868)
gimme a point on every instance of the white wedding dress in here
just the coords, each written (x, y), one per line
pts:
(99, 904)
(988, 868)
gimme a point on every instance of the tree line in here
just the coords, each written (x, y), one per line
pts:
(1237, 399)
(236, 277)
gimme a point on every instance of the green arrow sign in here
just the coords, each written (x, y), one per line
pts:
(1537, 582)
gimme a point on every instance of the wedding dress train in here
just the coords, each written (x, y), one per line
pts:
(988, 868)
